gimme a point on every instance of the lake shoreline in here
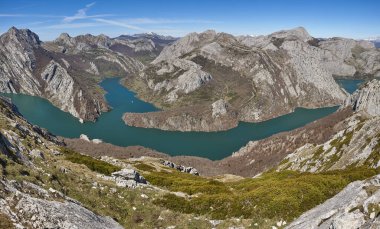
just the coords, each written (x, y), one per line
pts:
(111, 129)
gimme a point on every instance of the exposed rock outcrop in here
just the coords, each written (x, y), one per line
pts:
(219, 108)
(180, 168)
(366, 99)
(28, 68)
(128, 178)
(24, 209)
(356, 58)
(357, 206)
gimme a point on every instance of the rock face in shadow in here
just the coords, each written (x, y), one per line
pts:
(259, 77)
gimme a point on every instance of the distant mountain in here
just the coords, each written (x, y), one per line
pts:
(151, 35)
(145, 46)
(375, 40)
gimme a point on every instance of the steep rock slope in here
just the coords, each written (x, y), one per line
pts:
(67, 79)
(367, 98)
(257, 78)
(357, 58)
(358, 144)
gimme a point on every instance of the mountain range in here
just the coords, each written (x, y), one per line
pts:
(205, 82)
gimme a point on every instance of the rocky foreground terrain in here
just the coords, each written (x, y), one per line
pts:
(67, 70)
(209, 81)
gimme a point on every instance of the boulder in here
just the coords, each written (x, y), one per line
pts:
(219, 108)
(128, 178)
(180, 168)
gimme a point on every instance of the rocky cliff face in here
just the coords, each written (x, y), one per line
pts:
(260, 77)
(366, 99)
(356, 58)
(65, 72)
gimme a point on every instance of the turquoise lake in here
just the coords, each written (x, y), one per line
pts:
(349, 85)
(110, 127)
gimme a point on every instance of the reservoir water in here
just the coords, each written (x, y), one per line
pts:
(110, 127)
(349, 85)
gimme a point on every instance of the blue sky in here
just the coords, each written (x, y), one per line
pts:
(322, 18)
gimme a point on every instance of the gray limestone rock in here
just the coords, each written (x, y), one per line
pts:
(344, 209)
(367, 98)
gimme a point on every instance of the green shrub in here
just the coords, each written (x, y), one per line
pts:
(144, 167)
(285, 194)
(92, 163)
(183, 182)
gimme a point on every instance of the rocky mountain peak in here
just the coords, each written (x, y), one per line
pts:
(82, 41)
(22, 36)
(299, 32)
(64, 38)
(186, 44)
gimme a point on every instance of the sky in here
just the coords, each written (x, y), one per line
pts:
(357, 19)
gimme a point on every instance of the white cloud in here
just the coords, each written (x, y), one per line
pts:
(71, 25)
(137, 21)
(82, 14)
(120, 23)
